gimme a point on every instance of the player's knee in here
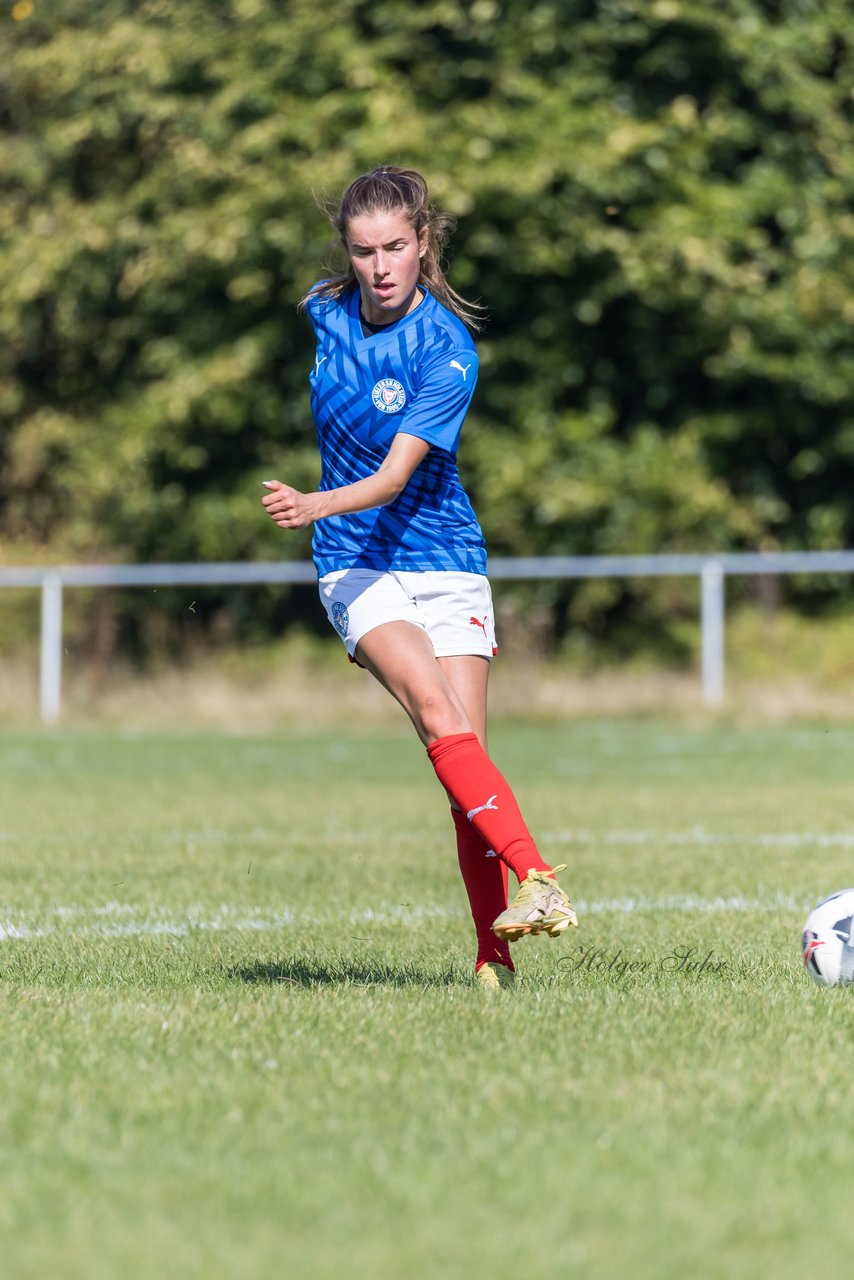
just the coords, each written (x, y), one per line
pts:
(438, 715)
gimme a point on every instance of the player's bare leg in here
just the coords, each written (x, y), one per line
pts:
(449, 694)
(468, 675)
(400, 655)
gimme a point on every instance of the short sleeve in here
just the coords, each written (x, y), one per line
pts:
(437, 410)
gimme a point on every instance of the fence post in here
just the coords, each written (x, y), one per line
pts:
(712, 625)
(51, 647)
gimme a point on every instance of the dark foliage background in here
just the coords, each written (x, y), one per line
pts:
(654, 204)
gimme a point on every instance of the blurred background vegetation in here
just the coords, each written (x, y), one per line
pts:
(655, 204)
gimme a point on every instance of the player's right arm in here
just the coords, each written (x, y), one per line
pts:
(291, 509)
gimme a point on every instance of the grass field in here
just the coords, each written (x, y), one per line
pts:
(239, 1034)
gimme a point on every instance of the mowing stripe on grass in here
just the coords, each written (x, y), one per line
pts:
(701, 837)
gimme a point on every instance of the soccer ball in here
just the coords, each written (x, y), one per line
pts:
(828, 941)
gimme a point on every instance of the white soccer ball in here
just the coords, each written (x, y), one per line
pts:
(828, 941)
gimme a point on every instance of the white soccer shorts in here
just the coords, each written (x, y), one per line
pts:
(455, 609)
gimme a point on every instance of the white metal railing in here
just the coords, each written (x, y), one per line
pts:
(712, 570)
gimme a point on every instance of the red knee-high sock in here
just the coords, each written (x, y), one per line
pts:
(485, 879)
(481, 791)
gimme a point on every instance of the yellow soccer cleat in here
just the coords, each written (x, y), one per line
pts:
(495, 977)
(540, 906)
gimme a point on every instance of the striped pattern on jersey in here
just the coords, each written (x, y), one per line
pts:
(418, 377)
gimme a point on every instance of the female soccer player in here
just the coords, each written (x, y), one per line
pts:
(399, 553)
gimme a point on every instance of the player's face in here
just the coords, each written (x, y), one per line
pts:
(385, 253)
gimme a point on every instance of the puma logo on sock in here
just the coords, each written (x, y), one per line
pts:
(480, 808)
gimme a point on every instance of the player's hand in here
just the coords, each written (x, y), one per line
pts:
(287, 507)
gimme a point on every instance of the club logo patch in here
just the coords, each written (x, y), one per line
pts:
(388, 395)
(340, 618)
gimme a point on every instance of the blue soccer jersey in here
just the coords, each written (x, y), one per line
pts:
(416, 376)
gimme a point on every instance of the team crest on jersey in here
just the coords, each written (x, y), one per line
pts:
(340, 618)
(388, 395)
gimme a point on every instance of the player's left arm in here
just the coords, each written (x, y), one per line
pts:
(437, 412)
(291, 509)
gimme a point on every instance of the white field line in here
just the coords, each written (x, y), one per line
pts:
(122, 920)
(691, 837)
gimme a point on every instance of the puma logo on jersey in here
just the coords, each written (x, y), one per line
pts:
(476, 622)
(480, 808)
(318, 361)
(455, 364)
